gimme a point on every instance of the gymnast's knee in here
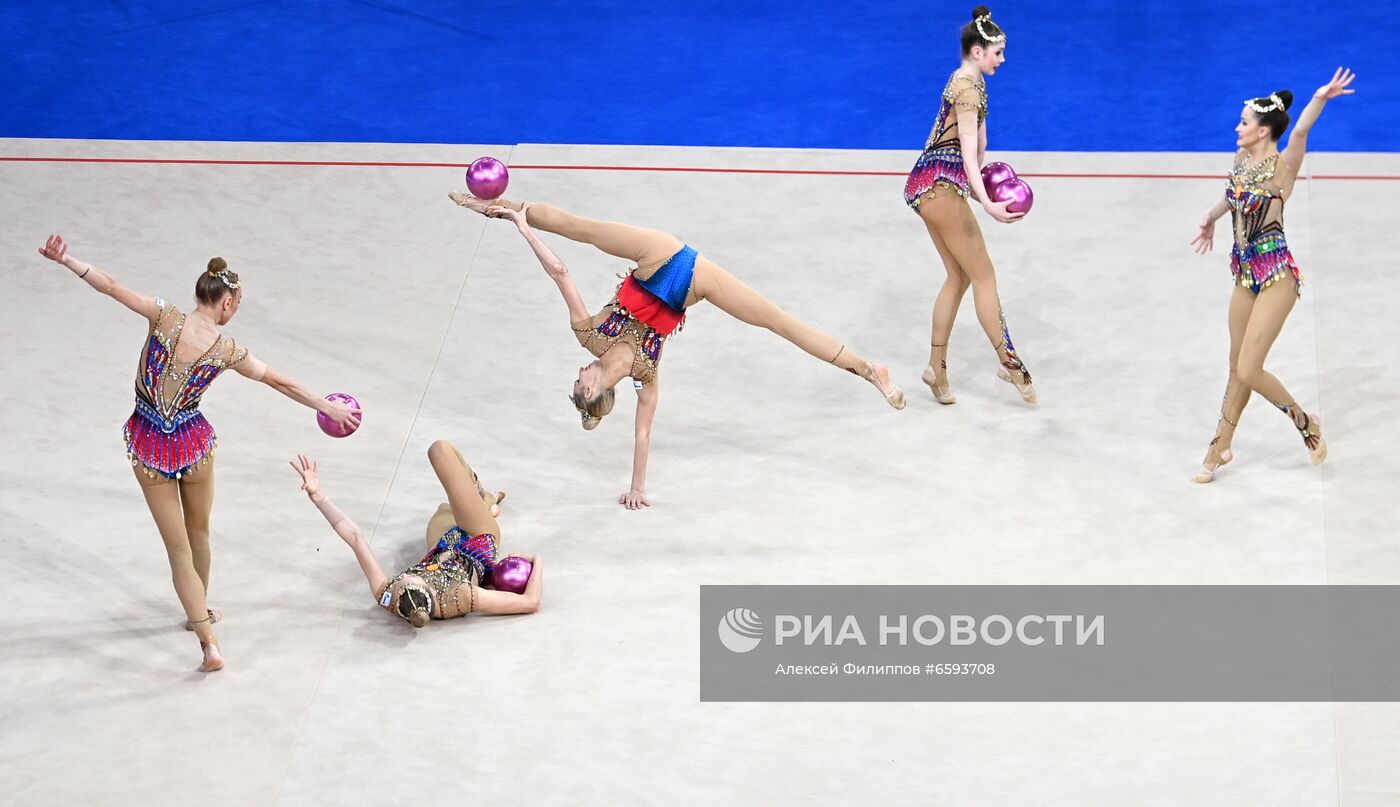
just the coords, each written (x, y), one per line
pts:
(1249, 373)
(441, 451)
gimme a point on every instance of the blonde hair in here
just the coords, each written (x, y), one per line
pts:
(594, 409)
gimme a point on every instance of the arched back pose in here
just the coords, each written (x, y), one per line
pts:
(454, 578)
(627, 335)
(1267, 279)
(946, 174)
(168, 440)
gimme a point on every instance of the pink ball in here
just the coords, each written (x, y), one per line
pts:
(1017, 192)
(512, 574)
(487, 178)
(330, 426)
(994, 174)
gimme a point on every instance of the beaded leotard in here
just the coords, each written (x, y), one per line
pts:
(1260, 255)
(643, 314)
(941, 163)
(167, 434)
(452, 570)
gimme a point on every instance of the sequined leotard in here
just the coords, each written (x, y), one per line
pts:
(167, 434)
(643, 313)
(1260, 255)
(452, 570)
(941, 164)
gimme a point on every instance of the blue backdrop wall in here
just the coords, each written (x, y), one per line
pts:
(1083, 76)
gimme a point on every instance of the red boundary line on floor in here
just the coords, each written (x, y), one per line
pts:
(648, 168)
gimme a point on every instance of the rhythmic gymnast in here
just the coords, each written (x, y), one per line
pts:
(946, 174)
(627, 335)
(168, 440)
(1267, 279)
(453, 579)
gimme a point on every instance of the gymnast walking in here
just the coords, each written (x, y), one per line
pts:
(946, 174)
(168, 440)
(453, 579)
(628, 334)
(1267, 279)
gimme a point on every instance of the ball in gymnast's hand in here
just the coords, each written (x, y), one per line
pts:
(512, 574)
(487, 178)
(993, 174)
(1017, 192)
(330, 426)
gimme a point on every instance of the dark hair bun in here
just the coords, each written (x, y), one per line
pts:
(1286, 97)
(217, 265)
(981, 11)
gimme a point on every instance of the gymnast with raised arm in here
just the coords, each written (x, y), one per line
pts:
(454, 578)
(168, 440)
(1267, 279)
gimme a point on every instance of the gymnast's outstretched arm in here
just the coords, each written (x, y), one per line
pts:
(645, 247)
(553, 267)
(348, 531)
(647, 398)
(144, 304)
(1298, 141)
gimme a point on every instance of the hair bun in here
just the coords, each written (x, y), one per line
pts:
(981, 11)
(217, 265)
(1286, 97)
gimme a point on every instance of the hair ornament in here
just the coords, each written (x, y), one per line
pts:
(991, 39)
(1275, 104)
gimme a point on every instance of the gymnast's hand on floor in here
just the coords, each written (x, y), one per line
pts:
(54, 249)
(308, 469)
(1205, 239)
(633, 500)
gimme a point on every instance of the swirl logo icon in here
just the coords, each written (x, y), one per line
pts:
(740, 630)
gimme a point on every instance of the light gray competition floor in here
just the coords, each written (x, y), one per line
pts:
(767, 467)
